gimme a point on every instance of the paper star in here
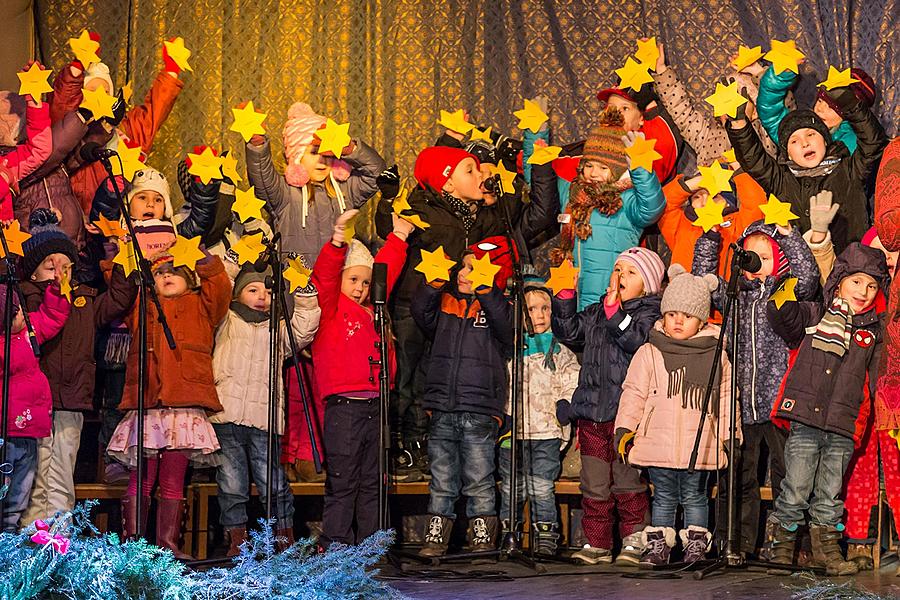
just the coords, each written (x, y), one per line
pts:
(85, 49)
(15, 237)
(507, 177)
(297, 275)
(777, 212)
(710, 214)
(477, 134)
(401, 202)
(633, 75)
(435, 265)
(126, 258)
(729, 156)
(647, 52)
(544, 154)
(726, 100)
(247, 205)
(715, 179)
(785, 292)
(186, 252)
(248, 120)
(127, 92)
(229, 168)
(784, 56)
(178, 53)
(206, 165)
(65, 285)
(642, 153)
(98, 102)
(131, 161)
(33, 82)
(249, 247)
(110, 228)
(562, 277)
(334, 137)
(531, 117)
(838, 79)
(417, 221)
(746, 57)
(455, 121)
(483, 272)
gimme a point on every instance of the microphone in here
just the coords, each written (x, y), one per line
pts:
(92, 152)
(379, 283)
(746, 260)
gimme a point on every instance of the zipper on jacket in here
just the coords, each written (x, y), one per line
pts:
(459, 338)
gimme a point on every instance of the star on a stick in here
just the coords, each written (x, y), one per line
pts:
(633, 75)
(531, 116)
(478, 134)
(642, 153)
(247, 120)
(729, 156)
(65, 285)
(15, 237)
(710, 214)
(784, 56)
(248, 248)
(483, 272)
(33, 82)
(334, 137)
(507, 177)
(178, 53)
(85, 49)
(247, 205)
(229, 167)
(131, 160)
(785, 292)
(125, 257)
(838, 79)
(110, 228)
(186, 252)
(544, 154)
(746, 57)
(647, 52)
(435, 265)
(455, 121)
(206, 165)
(562, 277)
(98, 102)
(777, 212)
(715, 179)
(726, 100)
(297, 275)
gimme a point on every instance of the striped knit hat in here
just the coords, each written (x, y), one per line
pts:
(649, 264)
(604, 144)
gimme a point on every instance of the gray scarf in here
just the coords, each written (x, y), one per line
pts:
(688, 363)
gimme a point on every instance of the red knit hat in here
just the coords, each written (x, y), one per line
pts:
(497, 247)
(435, 164)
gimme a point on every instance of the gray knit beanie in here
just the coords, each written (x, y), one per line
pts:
(689, 294)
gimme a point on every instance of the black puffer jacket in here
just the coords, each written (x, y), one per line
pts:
(472, 339)
(608, 346)
(824, 390)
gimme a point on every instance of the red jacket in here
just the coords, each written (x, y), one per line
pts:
(887, 221)
(657, 128)
(28, 156)
(347, 336)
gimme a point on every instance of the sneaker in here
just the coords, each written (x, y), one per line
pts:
(632, 549)
(589, 555)
(658, 543)
(696, 543)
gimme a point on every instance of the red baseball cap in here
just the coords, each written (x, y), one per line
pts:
(603, 95)
(435, 164)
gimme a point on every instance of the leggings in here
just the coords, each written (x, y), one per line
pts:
(170, 466)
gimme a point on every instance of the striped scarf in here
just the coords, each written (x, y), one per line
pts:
(833, 331)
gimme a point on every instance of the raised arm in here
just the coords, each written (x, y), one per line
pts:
(142, 123)
(770, 102)
(269, 185)
(367, 165)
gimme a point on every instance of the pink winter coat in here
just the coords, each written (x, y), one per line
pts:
(664, 429)
(30, 400)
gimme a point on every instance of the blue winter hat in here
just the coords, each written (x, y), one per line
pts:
(46, 239)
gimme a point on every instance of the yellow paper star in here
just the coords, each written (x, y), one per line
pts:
(746, 57)
(206, 165)
(563, 277)
(435, 265)
(633, 75)
(109, 228)
(726, 100)
(715, 179)
(417, 221)
(642, 153)
(777, 212)
(127, 92)
(647, 52)
(126, 258)
(131, 161)
(179, 53)
(507, 177)
(98, 102)
(784, 56)
(785, 292)
(838, 79)
(247, 205)
(186, 252)
(85, 49)
(477, 134)
(33, 82)
(15, 237)
(455, 121)
(334, 137)
(483, 272)
(249, 247)
(710, 215)
(248, 121)
(401, 202)
(297, 275)
(729, 156)
(229, 168)
(531, 117)
(65, 285)
(544, 154)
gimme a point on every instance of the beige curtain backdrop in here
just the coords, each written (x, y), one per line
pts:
(18, 40)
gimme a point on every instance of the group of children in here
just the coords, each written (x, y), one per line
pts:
(624, 355)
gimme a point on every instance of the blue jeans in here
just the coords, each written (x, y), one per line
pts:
(243, 455)
(539, 466)
(461, 450)
(22, 454)
(672, 487)
(815, 462)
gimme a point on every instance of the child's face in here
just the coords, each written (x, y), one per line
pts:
(806, 147)
(96, 83)
(256, 296)
(634, 119)
(539, 310)
(147, 204)
(465, 181)
(462, 284)
(595, 171)
(318, 166)
(355, 282)
(889, 257)
(760, 244)
(46, 271)
(859, 290)
(169, 284)
(827, 114)
(680, 326)
(631, 284)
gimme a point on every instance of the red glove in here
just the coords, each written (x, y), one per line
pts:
(170, 64)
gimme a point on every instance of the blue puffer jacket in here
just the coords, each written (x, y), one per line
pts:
(762, 355)
(608, 346)
(770, 106)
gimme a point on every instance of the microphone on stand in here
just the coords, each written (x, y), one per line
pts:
(92, 152)
(746, 260)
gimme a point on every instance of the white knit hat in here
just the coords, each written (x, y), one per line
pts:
(149, 178)
(358, 256)
(99, 71)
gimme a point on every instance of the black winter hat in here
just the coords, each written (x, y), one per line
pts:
(800, 119)
(857, 258)
(46, 239)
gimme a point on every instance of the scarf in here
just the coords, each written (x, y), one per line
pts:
(833, 331)
(828, 164)
(247, 314)
(585, 197)
(688, 363)
(543, 343)
(461, 210)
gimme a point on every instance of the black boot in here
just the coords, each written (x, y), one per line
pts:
(546, 538)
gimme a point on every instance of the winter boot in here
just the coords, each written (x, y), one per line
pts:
(826, 552)
(632, 549)
(765, 552)
(284, 539)
(169, 514)
(783, 543)
(592, 556)
(696, 542)
(306, 472)
(437, 537)
(482, 536)
(129, 517)
(235, 536)
(861, 554)
(546, 537)
(658, 544)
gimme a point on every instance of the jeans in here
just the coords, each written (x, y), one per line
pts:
(539, 464)
(461, 450)
(244, 454)
(22, 454)
(672, 487)
(408, 418)
(815, 463)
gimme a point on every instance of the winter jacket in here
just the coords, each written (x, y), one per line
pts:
(824, 390)
(25, 158)
(665, 428)
(68, 359)
(845, 179)
(762, 355)
(472, 339)
(241, 364)
(30, 400)
(183, 377)
(608, 345)
(347, 335)
(770, 106)
(284, 202)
